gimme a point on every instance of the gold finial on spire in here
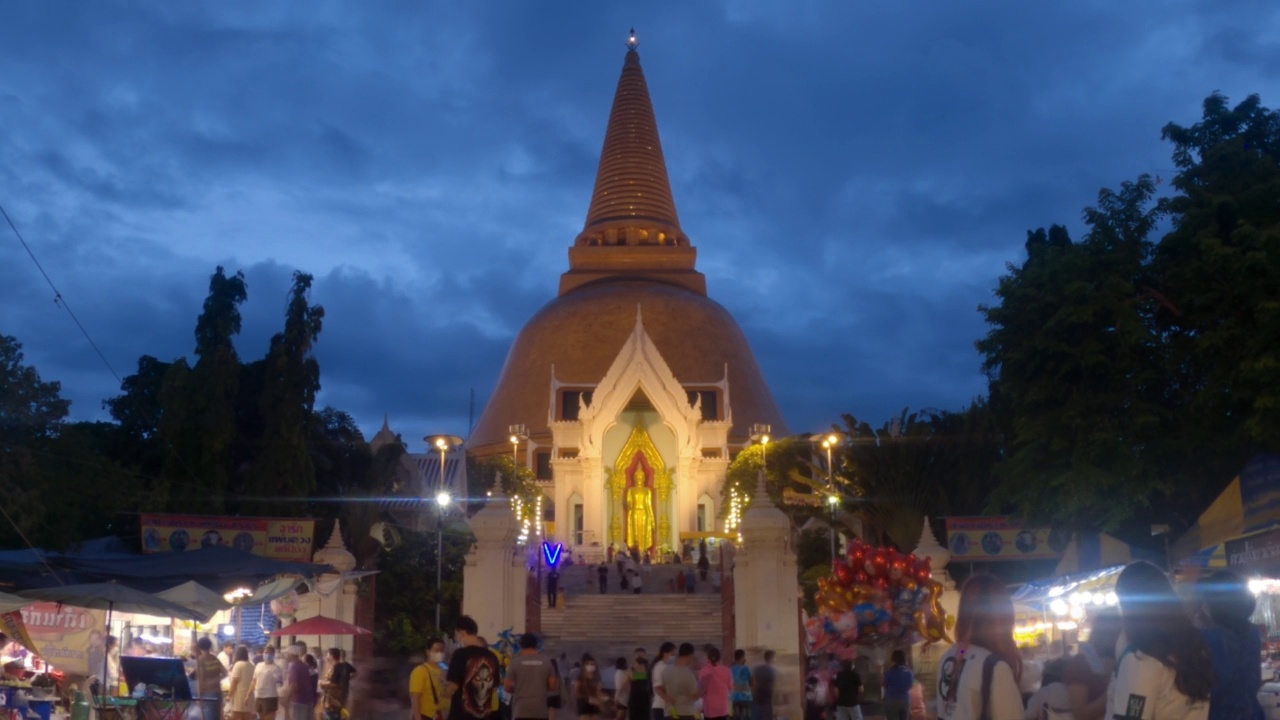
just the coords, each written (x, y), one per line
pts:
(632, 42)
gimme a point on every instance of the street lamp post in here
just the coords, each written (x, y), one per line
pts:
(760, 434)
(442, 443)
(829, 441)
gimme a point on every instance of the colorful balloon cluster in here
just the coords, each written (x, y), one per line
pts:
(876, 597)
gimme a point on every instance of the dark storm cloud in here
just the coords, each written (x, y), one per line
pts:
(855, 177)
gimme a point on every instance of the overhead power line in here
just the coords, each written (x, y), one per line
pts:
(57, 295)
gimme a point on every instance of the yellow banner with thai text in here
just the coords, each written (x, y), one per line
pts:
(278, 538)
(72, 639)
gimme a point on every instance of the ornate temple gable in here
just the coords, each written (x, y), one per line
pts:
(639, 366)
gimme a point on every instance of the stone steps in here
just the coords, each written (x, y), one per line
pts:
(609, 626)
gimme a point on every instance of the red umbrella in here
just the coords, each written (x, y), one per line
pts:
(321, 625)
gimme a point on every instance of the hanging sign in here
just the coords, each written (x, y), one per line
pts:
(277, 538)
(69, 638)
(983, 539)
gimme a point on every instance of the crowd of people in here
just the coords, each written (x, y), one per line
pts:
(293, 684)
(1156, 659)
(680, 681)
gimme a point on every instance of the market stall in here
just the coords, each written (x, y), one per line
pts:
(1052, 612)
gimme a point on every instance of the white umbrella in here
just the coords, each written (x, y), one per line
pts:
(196, 597)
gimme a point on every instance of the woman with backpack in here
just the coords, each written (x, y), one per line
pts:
(978, 678)
(1163, 668)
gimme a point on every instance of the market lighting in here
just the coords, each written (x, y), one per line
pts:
(443, 498)
(1059, 607)
(1112, 599)
(238, 594)
(1068, 625)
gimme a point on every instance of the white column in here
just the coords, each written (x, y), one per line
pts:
(767, 594)
(493, 581)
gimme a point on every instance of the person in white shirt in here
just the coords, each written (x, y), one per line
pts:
(660, 697)
(1163, 667)
(265, 688)
(978, 677)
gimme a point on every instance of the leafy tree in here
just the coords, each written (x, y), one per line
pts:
(928, 463)
(282, 467)
(58, 487)
(1134, 376)
(198, 424)
(1220, 268)
(135, 441)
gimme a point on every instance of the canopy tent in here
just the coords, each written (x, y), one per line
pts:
(1251, 503)
(10, 603)
(1088, 553)
(197, 598)
(220, 569)
(1041, 592)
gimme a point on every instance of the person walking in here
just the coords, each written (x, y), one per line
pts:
(640, 689)
(715, 685)
(603, 573)
(336, 683)
(588, 692)
(1088, 672)
(1234, 644)
(427, 697)
(690, 581)
(764, 679)
(741, 696)
(621, 689)
(299, 693)
(209, 674)
(265, 685)
(636, 582)
(680, 684)
(898, 680)
(474, 675)
(241, 688)
(978, 677)
(1165, 671)
(660, 698)
(530, 681)
(553, 585)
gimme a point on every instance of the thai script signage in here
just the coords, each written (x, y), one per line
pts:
(983, 539)
(1255, 552)
(278, 538)
(69, 638)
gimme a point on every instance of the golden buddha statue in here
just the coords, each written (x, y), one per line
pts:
(640, 513)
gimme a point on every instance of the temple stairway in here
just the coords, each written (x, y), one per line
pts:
(614, 624)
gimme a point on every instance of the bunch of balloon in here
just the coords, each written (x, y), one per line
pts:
(881, 596)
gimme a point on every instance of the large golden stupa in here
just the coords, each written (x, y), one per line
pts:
(632, 375)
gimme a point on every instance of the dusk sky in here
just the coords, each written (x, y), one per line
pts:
(855, 175)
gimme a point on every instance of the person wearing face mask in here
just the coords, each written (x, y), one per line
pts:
(588, 690)
(427, 698)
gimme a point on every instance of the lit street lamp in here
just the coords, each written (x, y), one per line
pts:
(443, 443)
(829, 441)
(760, 434)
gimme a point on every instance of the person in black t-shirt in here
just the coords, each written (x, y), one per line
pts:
(474, 675)
(848, 692)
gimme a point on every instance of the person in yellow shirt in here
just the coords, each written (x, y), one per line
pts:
(427, 696)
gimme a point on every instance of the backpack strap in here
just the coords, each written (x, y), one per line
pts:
(988, 672)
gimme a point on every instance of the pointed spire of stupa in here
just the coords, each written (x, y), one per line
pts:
(632, 229)
(632, 202)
